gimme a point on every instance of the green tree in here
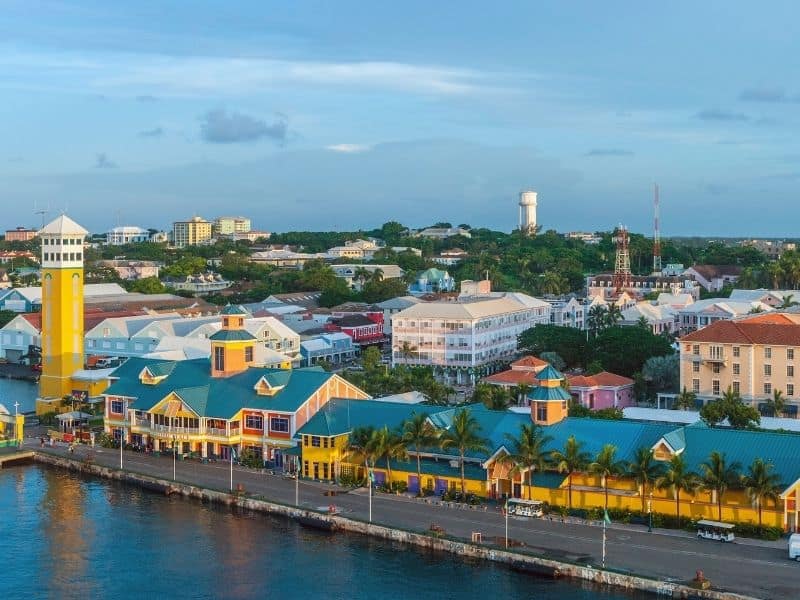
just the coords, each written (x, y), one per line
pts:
(730, 406)
(526, 452)
(558, 363)
(624, 350)
(662, 373)
(777, 404)
(6, 316)
(606, 465)
(358, 449)
(761, 484)
(419, 435)
(148, 285)
(596, 319)
(717, 476)
(645, 470)
(464, 436)
(685, 400)
(371, 358)
(677, 478)
(572, 459)
(568, 342)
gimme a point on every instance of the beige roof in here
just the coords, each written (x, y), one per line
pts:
(63, 225)
(476, 308)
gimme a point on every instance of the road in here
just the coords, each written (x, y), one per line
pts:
(752, 567)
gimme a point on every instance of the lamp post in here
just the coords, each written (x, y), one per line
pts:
(650, 513)
(174, 455)
(121, 444)
(16, 422)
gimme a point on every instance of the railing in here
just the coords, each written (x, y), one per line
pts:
(217, 432)
(167, 429)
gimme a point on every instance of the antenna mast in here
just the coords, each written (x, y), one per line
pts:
(41, 211)
(656, 234)
(622, 264)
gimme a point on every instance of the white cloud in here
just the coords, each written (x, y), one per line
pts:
(348, 148)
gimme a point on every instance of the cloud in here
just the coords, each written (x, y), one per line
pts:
(146, 98)
(103, 162)
(348, 148)
(717, 114)
(151, 133)
(608, 152)
(220, 127)
(763, 95)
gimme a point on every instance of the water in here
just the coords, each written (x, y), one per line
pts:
(15, 390)
(65, 536)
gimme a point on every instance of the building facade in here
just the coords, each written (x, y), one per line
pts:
(753, 357)
(231, 225)
(20, 234)
(127, 234)
(194, 232)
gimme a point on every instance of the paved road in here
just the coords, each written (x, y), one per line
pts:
(759, 569)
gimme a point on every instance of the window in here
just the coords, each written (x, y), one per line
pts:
(790, 354)
(767, 388)
(715, 352)
(790, 370)
(736, 351)
(735, 387)
(324, 442)
(305, 440)
(736, 368)
(116, 407)
(767, 370)
(790, 389)
(767, 352)
(715, 387)
(695, 367)
(541, 411)
(254, 422)
(715, 368)
(219, 358)
(315, 441)
(696, 386)
(333, 442)
(305, 468)
(280, 424)
(696, 349)
(248, 354)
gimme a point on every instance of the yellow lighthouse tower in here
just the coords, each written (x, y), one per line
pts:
(62, 305)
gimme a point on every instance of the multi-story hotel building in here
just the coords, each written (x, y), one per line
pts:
(466, 339)
(191, 233)
(754, 356)
(231, 225)
(20, 234)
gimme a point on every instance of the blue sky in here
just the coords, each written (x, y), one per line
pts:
(315, 115)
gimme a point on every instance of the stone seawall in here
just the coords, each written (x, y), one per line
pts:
(523, 562)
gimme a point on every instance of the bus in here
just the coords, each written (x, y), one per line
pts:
(715, 530)
(524, 508)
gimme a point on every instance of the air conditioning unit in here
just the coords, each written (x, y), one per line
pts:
(454, 464)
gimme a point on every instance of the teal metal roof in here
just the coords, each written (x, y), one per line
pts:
(549, 372)
(548, 394)
(232, 335)
(340, 416)
(441, 467)
(234, 309)
(219, 397)
(548, 479)
(676, 439)
(161, 369)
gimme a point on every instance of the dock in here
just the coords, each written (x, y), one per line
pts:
(15, 457)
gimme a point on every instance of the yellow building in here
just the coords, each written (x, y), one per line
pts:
(62, 307)
(208, 406)
(192, 232)
(754, 357)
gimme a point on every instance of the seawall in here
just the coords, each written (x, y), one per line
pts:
(532, 564)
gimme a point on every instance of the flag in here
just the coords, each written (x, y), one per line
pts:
(233, 453)
(606, 518)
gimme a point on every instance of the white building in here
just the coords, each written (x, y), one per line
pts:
(350, 273)
(773, 298)
(714, 277)
(568, 313)
(356, 249)
(441, 233)
(393, 306)
(127, 234)
(466, 339)
(704, 312)
(661, 318)
(450, 257)
(527, 212)
(231, 225)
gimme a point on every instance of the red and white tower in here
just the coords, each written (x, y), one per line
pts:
(622, 264)
(656, 234)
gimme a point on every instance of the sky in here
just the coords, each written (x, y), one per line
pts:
(344, 115)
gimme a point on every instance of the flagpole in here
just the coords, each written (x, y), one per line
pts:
(231, 454)
(505, 510)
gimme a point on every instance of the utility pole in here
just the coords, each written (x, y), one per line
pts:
(656, 233)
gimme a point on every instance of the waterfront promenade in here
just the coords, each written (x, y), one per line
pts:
(751, 567)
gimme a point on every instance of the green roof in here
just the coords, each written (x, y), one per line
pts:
(549, 373)
(548, 479)
(234, 309)
(676, 439)
(220, 397)
(549, 394)
(340, 416)
(434, 467)
(161, 369)
(232, 335)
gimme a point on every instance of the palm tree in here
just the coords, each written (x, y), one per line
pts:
(357, 449)
(464, 435)
(606, 465)
(377, 275)
(361, 274)
(527, 453)
(571, 460)
(717, 476)
(613, 315)
(520, 391)
(643, 323)
(677, 478)
(596, 319)
(645, 470)
(761, 484)
(407, 350)
(418, 433)
(777, 404)
(393, 449)
(685, 400)
(788, 301)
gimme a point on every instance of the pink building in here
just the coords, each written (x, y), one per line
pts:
(603, 390)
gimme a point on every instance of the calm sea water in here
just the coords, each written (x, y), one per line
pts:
(66, 536)
(14, 390)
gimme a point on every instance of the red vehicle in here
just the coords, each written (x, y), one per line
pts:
(37, 367)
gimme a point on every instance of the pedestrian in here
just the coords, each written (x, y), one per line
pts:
(41, 442)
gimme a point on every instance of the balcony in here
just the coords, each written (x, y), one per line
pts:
(167, 430)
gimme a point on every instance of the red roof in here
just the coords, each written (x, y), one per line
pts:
(511, 378)
(602, 379)
(750, 331)
(529, 362)
(91, 318)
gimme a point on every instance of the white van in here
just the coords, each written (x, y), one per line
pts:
(524, 508)
(794, 546)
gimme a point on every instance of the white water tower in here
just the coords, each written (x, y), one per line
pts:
(527, 212)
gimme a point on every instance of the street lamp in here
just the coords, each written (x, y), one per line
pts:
(174, 454)
(16, 423)
(121, 444)
(650, 513)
